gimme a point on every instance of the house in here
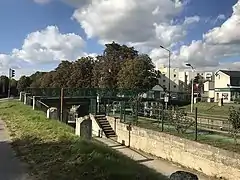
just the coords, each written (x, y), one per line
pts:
(209, 90)
(227, 85)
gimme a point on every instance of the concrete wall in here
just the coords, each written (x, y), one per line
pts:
(96, 129)
(211, 161)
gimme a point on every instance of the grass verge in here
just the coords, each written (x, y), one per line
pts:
(209, 137)
(213, 138)
(53, 151)
(212, 109)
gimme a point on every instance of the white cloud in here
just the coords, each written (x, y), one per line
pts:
(191, 20)
(44, 47)
(137, 22)
(217, 44)
(229, 32)
(42, 1)
(50, 45)
(221, 17)
(8, 61)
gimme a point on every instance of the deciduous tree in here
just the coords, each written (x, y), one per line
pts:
(108, 65)
(81, 73)
(137, 73)
(23, 83)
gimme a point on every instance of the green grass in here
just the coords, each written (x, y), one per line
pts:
(212, 109)
(217, 139)
(53, 152)
(220, 140)
(213, 138)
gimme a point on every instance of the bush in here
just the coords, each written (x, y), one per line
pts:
(234, 119)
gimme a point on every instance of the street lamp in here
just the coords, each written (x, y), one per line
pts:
(189, 65)
(169, 66)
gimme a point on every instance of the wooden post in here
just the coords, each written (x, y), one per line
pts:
(196, 125)
(163, 117)
(61, 108)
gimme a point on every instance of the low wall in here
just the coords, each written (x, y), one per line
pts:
(96, 129)
(211, 161)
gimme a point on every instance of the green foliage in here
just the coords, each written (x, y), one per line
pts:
(137, 73)
(120, 66)
(181, 122)
(36, 79)
(23, 83)
(4, 82)
(47, 80)
(234, 118)
(81, 73)
(53, 152)
(4, 85)
(108, 65)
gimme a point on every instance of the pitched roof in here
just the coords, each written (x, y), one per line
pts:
(231, 73)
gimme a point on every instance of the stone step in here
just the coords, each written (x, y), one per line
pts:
(107, 128)
(103, 122)
(105, 125)
(112, 136)
(102, 119)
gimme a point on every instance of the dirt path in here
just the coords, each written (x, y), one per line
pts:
(10, 167)
(164, 167)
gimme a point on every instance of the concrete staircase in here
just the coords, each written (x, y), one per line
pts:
(106, 127)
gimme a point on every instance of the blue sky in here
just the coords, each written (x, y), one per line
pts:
(87, 25)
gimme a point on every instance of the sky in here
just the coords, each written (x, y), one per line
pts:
(35, 35)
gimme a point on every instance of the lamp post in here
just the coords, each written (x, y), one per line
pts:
(169, 66)
(189, 65)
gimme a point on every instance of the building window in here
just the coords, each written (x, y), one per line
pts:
(175, 75)
(218, 76)
(163, 74)
(164, 80)
(175, 86)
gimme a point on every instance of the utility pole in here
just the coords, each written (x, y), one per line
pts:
(169, 69)
(192, 93)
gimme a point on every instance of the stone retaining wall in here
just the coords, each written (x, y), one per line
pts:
(211, 161)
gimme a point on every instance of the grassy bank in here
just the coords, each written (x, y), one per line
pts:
(205, 136)
(53, 152)
(212, 109)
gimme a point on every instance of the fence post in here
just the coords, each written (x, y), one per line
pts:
(20, 96)
(61, 106)
(25, 98)
(124, 111)
(196, 125)
(34, 102)
(163, 117)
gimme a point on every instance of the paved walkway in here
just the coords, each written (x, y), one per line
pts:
(10, 167)
(164, 167)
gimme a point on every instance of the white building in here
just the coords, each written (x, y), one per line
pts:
(227, 85)
(164, 80)
(191, 75)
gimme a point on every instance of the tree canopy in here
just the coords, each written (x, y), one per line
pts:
(23, 83)
(119, 66)
(137, 73)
